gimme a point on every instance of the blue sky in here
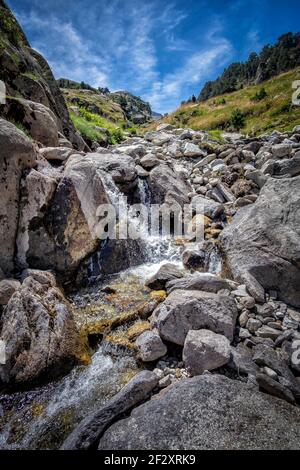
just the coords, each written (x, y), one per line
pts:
(161, 50)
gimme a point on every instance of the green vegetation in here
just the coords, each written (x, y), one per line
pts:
(272, 61)
(21, 128)
(274, 111)
(237, 119)
(88, 125)
(260, 95)
(10, 29)
(217, 136)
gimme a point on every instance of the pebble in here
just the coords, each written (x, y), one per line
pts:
(165, 382)
(270, 373)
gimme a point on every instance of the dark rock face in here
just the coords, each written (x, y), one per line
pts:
(17, 154)
(263, 242)
(25, 72)
(207, 412)
(39, 333)
(167, 272)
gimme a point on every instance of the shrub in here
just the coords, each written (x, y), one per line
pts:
(237, 119)
(260, 95)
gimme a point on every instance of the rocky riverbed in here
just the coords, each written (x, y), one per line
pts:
(164, 316)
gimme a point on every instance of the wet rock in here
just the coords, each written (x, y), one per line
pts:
(89, 431)
(150, 347)
(39, 333)
(185, 310)
(193, 259)
(202, 282)
(260, 225)
(7, 288)
(155, 424)
(205, 350)
(167, 272)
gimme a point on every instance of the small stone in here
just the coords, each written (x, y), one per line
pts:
(253, 325)
(267, 332)
(243, 319)
(244, 334)
(248, 302)
(165, 381)
(270, 373)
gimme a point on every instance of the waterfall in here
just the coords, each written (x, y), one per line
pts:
(145, 247)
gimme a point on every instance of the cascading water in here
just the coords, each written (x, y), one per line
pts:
(42, 418)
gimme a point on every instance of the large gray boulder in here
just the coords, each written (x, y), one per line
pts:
(203, 282)
(59, 225)
(17, 154)
(210, 412)
(89, 431)
(262, 245)
(205, 350)
(39, 333)
(167, 185)
(206, 206)
(186, 310)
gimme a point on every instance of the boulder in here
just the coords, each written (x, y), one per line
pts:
(17, 154)
(208, 412)
(134, 151)
(39, 333)
(193, 259)
(150, 346)
(158, 138)
(186, 310)
(166, 184)
(56, 153)
(206, 206)
(166, 273)
(262, 245)
(121, 169)
(192, 150)
(89, 431)
(149, 161)
(38, 119)
(7, 288)
(205, 350)
(202, 282)
(281, 150)
(36, 193)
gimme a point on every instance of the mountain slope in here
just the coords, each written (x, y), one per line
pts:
(272, 61)
(274, 111)
(100, 116)
(27, 76)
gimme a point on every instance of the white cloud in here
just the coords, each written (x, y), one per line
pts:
(123, 46)
(165, 94)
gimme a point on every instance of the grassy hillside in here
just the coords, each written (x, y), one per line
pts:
(274, 111)
(90, 111)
